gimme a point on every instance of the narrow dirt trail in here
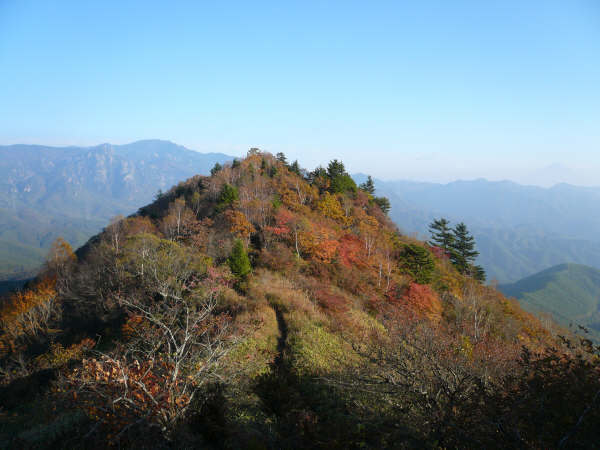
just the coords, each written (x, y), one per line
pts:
(282, 339)
(286, 398)
(275, 388)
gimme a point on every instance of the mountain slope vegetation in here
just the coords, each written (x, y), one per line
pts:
(569, 292)
(46, 192)
(520, 230)
(269, 307)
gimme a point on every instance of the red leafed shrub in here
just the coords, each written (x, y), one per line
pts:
(350, 251)
(283, 218)
(422, 299)
(278, 257)
(332, 302)
(376, 303)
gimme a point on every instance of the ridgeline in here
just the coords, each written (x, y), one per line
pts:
(267, 307)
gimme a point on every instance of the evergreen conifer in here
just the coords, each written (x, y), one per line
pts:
(441, 235)
(239, 263)
(418, 263)
(368, 186)
(463, 248)
(217, 168)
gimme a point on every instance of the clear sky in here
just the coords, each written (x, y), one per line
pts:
(417, 90)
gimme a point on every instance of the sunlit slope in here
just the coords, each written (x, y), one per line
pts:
(570, 292)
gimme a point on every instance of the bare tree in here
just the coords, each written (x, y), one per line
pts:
(115, 231)
(173, 345)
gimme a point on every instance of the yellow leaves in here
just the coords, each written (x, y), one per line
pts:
(288, 197)
(330, 207)
(28, 312)
(466, 347)
(59, 356)
(61, 252)
(368, 224)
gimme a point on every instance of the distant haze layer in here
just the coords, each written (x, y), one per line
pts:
(520, 230)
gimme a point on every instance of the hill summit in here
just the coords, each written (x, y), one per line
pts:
(266, 306)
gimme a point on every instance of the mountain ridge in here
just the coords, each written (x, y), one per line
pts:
(47, 192)
(569, 292)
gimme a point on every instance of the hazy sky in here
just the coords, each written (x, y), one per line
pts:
(420, 90)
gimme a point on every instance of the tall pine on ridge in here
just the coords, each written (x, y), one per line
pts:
(368, 186)
(458, 244)
(441, 235)
(463, 248)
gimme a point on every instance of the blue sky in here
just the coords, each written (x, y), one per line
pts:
(418, 90)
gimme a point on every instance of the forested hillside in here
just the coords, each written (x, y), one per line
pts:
(47, 192)
(520, 230)
(569, 292)
(270, 307)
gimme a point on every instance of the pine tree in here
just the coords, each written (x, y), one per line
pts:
(319, 178)
(441, 235)
(419, 263)
(238, 261)
(340, 181)
(319, 172)
(281, 158)
(217, 168)
(368, 186)
(229, 195)
(336, 169)
(295, 167)
(463, 248)
(383, 203)
(478, 273)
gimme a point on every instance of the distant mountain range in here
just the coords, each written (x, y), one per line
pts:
(46, 192)
(569, 292)
(520, 230)
(72, 192)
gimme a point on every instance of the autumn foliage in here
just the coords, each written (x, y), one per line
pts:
(265, 306)
(421, 299)
(27, 314)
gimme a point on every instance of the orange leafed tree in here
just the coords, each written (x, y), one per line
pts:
(239, 224)
(319, 242)
(27, 314)
(60, 257)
